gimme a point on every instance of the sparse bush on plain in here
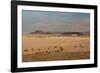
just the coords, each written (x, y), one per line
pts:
(48, 48)
(32, 49)
(75, 46)
(38, 49)
(61, 48)
(55, 46)
(25, 50)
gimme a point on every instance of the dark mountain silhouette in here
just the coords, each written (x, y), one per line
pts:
(40, 32)
(61, 33)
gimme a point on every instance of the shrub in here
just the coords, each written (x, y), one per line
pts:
(25, 50)
(58, 50)
(48, 48)
(61, 48)
(75, 46)
(55, 46)
(38, 49)
(32, 49)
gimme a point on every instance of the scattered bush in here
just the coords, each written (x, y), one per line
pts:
(75, 46)
(61, 48)
(38, 49)
(57, 50)
(25, 50)
(55, 46)
(48, 48)
(32, 49)
(81, 46)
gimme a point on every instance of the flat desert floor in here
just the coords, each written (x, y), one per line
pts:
(55, 48)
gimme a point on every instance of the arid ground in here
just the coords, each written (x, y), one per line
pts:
(51, 48)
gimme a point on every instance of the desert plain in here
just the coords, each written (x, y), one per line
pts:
(41, 47)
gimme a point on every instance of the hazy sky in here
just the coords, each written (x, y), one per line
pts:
(55, 21)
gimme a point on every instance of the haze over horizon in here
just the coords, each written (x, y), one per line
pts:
(51, 21)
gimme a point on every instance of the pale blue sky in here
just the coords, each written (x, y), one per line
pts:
(55, 21)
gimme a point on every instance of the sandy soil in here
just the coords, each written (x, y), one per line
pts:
(55, 48)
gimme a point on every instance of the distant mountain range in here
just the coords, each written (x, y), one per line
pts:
(61, 33)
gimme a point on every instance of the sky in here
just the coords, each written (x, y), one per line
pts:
(54, 21)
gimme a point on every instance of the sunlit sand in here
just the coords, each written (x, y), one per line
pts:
(51, 48)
